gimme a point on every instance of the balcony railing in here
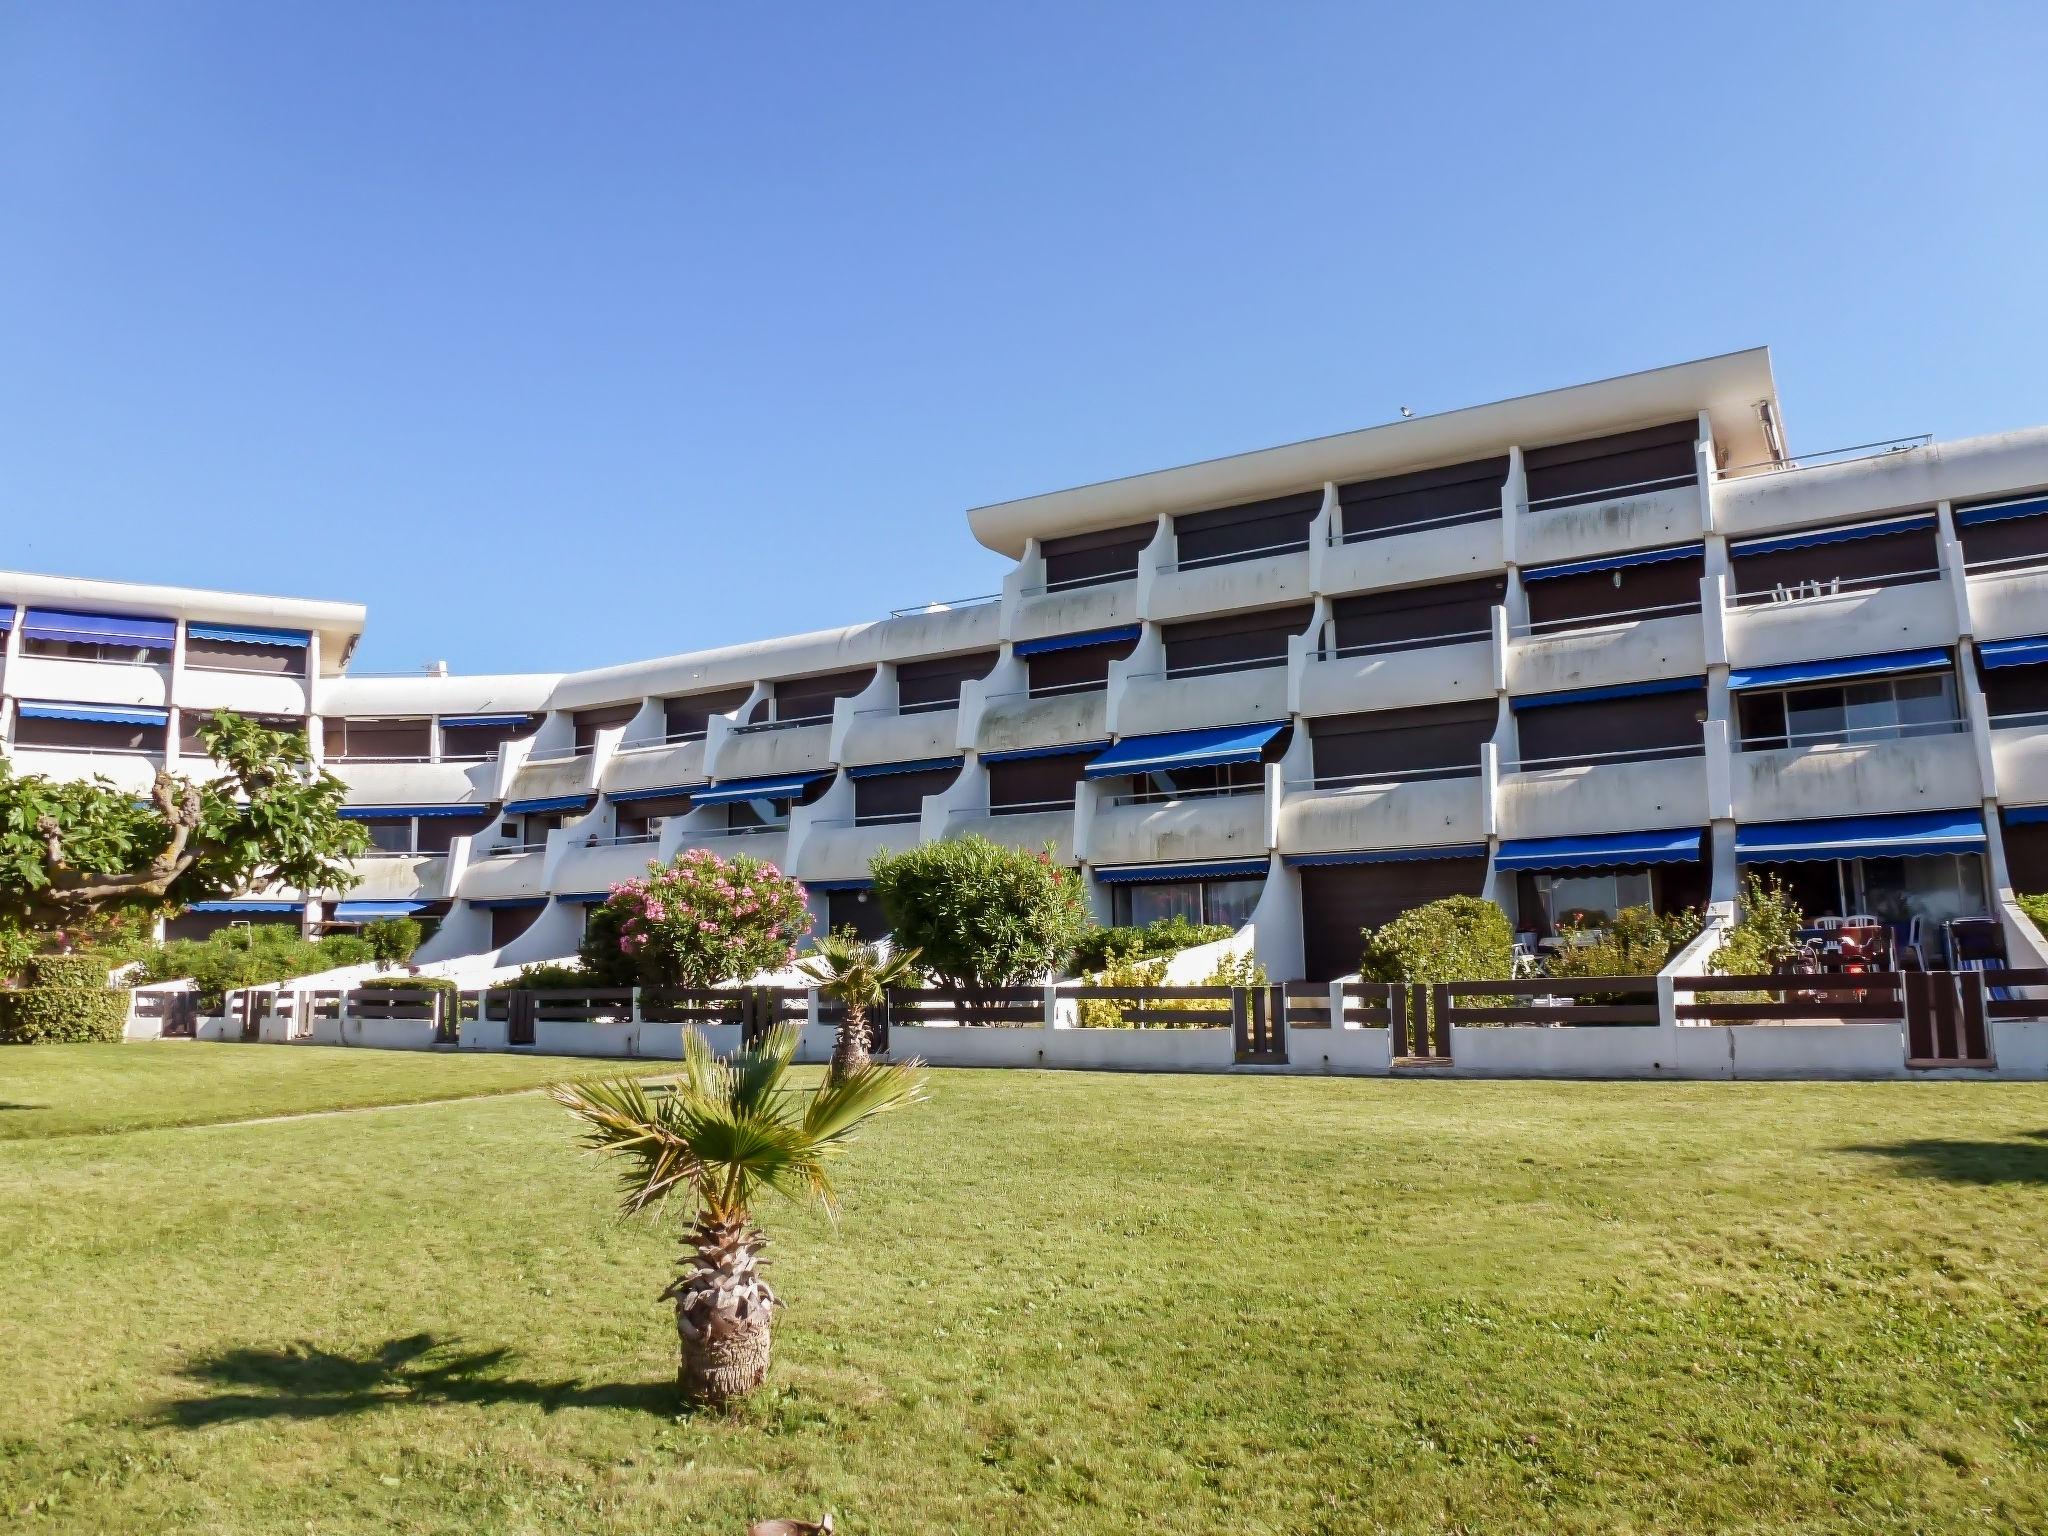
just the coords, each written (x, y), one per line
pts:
(1612, 616)
(2018, 719)
(1171, 796)
(947, 606)
(2005, 563)
(1075, 583)
(214, 666)
(1589, 759)
(52, 746)
(1013, 808)
(513, 850)
(1849, 455)
(1406, 643)
(559, 754)
(1210, 668)
(928, 707)
(1627, 488)
(759, 726)
(1388, 777)
(1231, 557)
(1853, 735)
(655, 743)
(381, 757)
(1418, 525)
(1818, 588)
(625, 840)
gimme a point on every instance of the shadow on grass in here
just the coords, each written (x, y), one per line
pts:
(1971, 1162)
(302, 1382)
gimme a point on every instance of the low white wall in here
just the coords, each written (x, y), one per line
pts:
(389, 1034)
(1621, 1050)
(1347, 1051)
(2019, 1047)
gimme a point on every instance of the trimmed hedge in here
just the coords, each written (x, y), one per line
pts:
(68, 1000)
(1460, 938)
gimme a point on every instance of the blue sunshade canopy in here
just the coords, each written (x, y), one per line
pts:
(1836, 670)
(100, 628)
(552, 803)
(1922, 833)
(2025, 815)
(248, 634)
(247, 905)
(1387, 855)
(1216, 869)
(784, 786)
(1819, 536)
(1616, 691)
(2000, 511)
(1121, 635)
(402, 812)
(2029, 652)
(99, 714)
(496, 903)
(921, 765)
(1020, 754)
(583, 898)
(462, 722)
(366, 911)
(1616, 562)
(1613, 850)
(6, 617)
(839, 885)
(1184, 749)
(673, 792)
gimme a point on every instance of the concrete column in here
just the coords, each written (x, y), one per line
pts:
(1949, 556)
(1514, 495)
(1724, 881)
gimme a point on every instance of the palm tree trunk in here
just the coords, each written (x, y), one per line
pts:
(850, 1048)
(725, 1311)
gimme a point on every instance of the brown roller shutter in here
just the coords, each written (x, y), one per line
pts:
(691, 715)
(900, 794)
(1241, 530)
(1030, 781)
(1566, 474)
(1560, 734)
(921, 684)
(1238, 639)
(1672, 584)
(1432, 737)
(1885, 554)
(1340, 901)
(806, 698)
(589, 722)
(1076, 668)
(1419, 615)
(1089, 559)
(507, 923)
(1454, 493)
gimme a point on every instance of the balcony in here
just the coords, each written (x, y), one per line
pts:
(898, 736)
(1232, 695)
(1535, 800)
(1848, 483)
(2019, 758)
(254, 693)
(840, 850)
(1631, 519)
(1432, 551)
(1919, 773)
(551, 778)
(1149, 830)
(400, 877)
(1409, 812)
(1860, 620)
(422, 783)
(91, 682)
(2007, 602)
(1075, 610)
(656, 765)
(1598, 654)
(1030, 830)
(598, 864)
(132, 771)
(770, 843)
(1015, 722)
(503, 872)
(1337, 682)
(777, 746)
(1226, 583)
(965, 624)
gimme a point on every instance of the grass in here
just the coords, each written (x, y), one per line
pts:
(66, 1090)
(1059, 1302)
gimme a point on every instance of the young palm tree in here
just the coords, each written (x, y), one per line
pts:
(859, 975)
(727, 1132)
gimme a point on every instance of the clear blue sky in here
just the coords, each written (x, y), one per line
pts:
(569, 334)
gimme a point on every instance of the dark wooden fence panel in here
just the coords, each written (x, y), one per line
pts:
(1790, 999)
(1199, 1007)
(1526, 1002)
(992, 1007)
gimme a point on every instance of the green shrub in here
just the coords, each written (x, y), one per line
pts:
(1099, 948)
(982, 915)
(1460, 938)
(551, 976)
(67, 999)
(1766, 930)
(392, 940)
(250, 957)
(17, 948)
(1108, 1012)
(2036, 908)
(87, 971)
(1635, 942)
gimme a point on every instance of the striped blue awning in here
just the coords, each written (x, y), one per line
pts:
(2025, 815)
(1386, 855)
(839, 885)
(1184, 749)
(782, 786)
(1922, 834)
(98, 714)
(1612, 850)
(550, 803)
(1217, 869)
(248, 634)
(921, 765)
(2000, 511)
(583, 898)
(495, 903)
(671, 792)
(1917, 524)
(100, 628)
(1839, 668)
(6, 617)
(466, 722)
(1072, 749)
(1617, 691)
(402, 812)
(247, 905)
(1616, 562)
(1121, 635)
(2028, 652)
(370, 911)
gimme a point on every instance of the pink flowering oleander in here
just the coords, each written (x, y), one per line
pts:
(708, 920)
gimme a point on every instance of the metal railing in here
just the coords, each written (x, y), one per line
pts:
(376, 757)
(1626, 488)
(1407, 643)
(2004, 563)
(1613, 618)
(1389, 777)
(1856, 451)
(2017, 719)
(695, 833)
(1169, 796)
(927, 707)
(1820, 589)
(759, 726)
(1589, 759)
(623, 840)
(672, 739)
(1853, 735)
(45, 746)
(1231, 557)
(946, 606)
(1012, 808)
(559, 754)
(1416, 525)
(513, 850)
(1209, 668)
(1074, 583)
(206, 666)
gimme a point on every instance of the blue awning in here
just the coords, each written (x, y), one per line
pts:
(922, 765)
(368, 911)
(1617, 562)
(1850, 837)
(2029, 652)
(248, 634)
(583, 898)
(2025, 815)
(1612, 850)
(400, 812)
(2000, 511)
(1184, 749)
(100, 714)
(1917, 524)
(494, 903)
(839, 885)
(1219, 869)
(1386, 855)
(1617, 691)
(6, 617)
(675, 791)
(100, 628)
(1074, 749)
(464, 722)
(551, 803)
(782, 786)
(1121, 635)
(1837, 669)
(249, 905)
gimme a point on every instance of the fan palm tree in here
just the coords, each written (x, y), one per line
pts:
(728, 1131)
(859, 975)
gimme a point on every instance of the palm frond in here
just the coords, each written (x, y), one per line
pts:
(838, 1109)
(622, 1120)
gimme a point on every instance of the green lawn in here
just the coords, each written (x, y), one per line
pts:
(1055, 1303)
(61, 1090)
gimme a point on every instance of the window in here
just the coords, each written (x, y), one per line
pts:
(1882, 709)
(1092, 559)
(234, 656)
(922, 685)
(394, 836)
(885, 798)
(1591, 900)
(812, 698)
(1237, 642)
(1259, 528)
(1226, 902)
(688, 718)
(1881, 559)
(1659, 589)
(1076, 669)
(1434, 498)
(375, 739)
(1187, 783)
(1622, 464)
(480, 743)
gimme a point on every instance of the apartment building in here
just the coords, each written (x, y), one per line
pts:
(1579, 650)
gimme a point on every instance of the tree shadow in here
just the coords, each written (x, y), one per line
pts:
(1971, 1162)
(300, 1381)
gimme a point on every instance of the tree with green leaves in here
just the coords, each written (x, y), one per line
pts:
(76, 852)
(858, 975)
(729, 1132)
